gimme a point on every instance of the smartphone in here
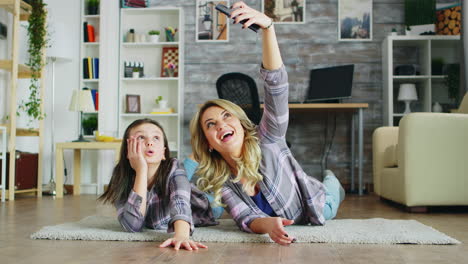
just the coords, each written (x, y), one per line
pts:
(227, 11)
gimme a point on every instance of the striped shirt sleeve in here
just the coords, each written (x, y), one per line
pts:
(129, 214)
(179, 192)
(275, 117)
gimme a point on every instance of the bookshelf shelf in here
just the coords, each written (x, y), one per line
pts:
(89, 57)
(419, 51)
(148, 44)
(154, 82)
(146, 79)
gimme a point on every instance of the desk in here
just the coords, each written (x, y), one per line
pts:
(351, 107)
(77, 147)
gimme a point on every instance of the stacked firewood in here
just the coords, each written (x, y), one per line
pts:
(449, 21)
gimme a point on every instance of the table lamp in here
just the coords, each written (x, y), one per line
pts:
(407, 94)
(82, 101)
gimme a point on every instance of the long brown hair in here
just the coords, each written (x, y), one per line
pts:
(123, 176)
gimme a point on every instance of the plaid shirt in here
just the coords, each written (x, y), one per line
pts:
(186, 203)
(291, 193)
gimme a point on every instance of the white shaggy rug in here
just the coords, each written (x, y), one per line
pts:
(351, 231)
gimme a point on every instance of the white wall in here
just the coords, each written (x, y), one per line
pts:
(64, 32)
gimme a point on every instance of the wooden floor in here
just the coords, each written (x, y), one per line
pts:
(20, 218)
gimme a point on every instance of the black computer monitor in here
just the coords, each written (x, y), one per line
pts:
(330, 84)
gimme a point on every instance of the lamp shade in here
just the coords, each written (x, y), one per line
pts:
(82, 101)
(407, 92)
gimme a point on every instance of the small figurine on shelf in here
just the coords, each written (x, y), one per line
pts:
(170, 69)
(170, 34)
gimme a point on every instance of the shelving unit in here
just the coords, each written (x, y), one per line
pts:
(152, 84)
(419, 51)
(89, 50)
(3, 130)
(20, 11)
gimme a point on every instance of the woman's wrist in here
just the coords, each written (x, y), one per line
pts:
(270, 25)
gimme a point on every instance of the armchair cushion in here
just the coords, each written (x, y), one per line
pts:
(390, 156)
(431, 154)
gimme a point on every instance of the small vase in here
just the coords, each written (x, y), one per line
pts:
(169, 37)
(169, 72)
(136, 75)
(437, 108)
(162, 104)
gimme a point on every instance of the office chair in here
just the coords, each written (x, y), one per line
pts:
(241, 89)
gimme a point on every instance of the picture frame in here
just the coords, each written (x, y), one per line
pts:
(132, 103)
(355, 20)
(211, 25)
(170, 55)
(285, 11)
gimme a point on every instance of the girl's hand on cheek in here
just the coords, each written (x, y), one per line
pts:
(135, 155)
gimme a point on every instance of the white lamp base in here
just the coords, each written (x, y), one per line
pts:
(407, 107)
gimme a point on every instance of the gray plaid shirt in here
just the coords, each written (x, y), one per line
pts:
(186, 203)
(289, 191)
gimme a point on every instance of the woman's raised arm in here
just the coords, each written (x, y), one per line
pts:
(271, 57)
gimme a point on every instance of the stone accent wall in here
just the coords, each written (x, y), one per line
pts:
(303, 46)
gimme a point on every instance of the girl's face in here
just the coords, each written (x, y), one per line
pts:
(223, 131)
(151, 140)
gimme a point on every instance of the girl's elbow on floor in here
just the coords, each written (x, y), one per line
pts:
(131, 228)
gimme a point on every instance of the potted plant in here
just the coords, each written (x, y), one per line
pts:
(419, 16)
(89, 125)
(160, 102)
(452, 81)
(437, 65)
(136, 73)
(93, 7)
(37, 42)
(154, 35)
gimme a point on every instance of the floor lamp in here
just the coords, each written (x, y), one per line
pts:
(50, 187)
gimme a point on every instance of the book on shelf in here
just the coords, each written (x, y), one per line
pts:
(95, 94)
(90, 68)
(162, 111)
(96, 68)
(85, 32)
(90, 30)
(134, 3)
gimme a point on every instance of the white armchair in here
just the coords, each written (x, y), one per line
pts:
(424, 162)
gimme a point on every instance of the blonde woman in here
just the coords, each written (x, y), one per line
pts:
(250, 169)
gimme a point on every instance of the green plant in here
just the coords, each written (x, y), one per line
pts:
(135, 69)
(158, 99)
(452, 81)
(37, 42)
(89, 124)
(154, 32)
(419, 12)
(93, 3)
(93, 7)
(437, 64)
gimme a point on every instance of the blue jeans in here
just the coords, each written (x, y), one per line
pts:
(334, 194)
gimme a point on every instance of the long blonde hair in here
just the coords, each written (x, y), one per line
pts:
(213, 171)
